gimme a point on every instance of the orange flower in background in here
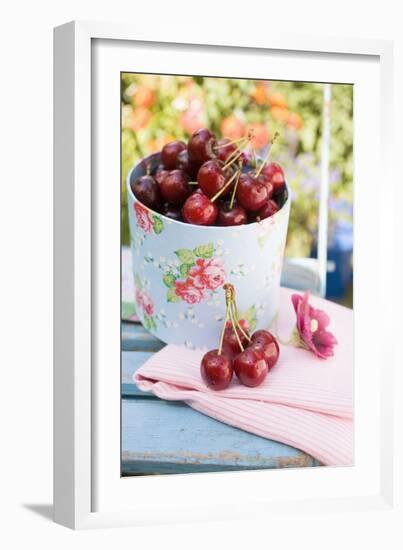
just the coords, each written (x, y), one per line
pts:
(280, 114)
(260, 93)
(232, 127)
(155, 145)
(140, 118)
(191, 121)
(277, 100)
(260, 135)
(294, 120)
(144, 97)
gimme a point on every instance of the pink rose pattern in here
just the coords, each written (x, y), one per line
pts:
(144, 302)
(143, 218)
(208, 274)
(188, 291)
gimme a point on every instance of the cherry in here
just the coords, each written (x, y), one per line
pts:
(170, 152)
(183, 163)
(171, 211)
(251, 193)
(199, 210)
(160, 174)
(230, 341)
(224, 149)
(231, 216)
(216, 370)
(147, 191)
(269, 186)
(201, 146)
(275, 175)
(175, 187)
(268, 209)
(211, 177)
(266, 343)
(250, 367)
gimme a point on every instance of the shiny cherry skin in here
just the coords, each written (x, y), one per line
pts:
(230, 341)
(266, 343)
(216, 370)
(269, 186)
(250, 367)
(251, 193)
(201, 146)
(147, 191)
(183, 163)
(231, 216)
(175, 187)
(199, 210)
(268, 209)
(224, 149)
(171, 211)
(160, 173)
(170, 152)
(211, 177)
(275, 175)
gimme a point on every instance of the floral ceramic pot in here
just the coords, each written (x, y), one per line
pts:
(179, 271)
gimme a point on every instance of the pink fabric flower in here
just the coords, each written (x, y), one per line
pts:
(143, 217)
(310, 332)
(147, 305)
(208, 273)
(188, 291)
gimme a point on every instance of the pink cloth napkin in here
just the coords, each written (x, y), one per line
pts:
(304, 402)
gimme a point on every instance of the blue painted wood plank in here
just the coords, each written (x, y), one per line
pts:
(131, 361)
(135, 338)
(170, 437)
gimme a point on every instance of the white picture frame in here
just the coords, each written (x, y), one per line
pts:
(88, 490)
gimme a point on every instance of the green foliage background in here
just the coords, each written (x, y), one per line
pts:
(157, 109)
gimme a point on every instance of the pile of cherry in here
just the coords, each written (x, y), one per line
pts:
(212, 181)
(251, 357)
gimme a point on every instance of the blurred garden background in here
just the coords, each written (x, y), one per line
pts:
(159, 109)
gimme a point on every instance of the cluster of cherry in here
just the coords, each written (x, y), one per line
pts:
(211, 181)
(250, 357)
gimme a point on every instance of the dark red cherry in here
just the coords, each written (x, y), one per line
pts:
(160, 174)
(275, 175)
(147, 191)
(230, 341)
(201, 146)
(183, 163)
(211, 177)
(268, 209)
(171, 211)
(231, 216)
(175, 187)
(250, 367)
(170, 152)
(216, 370)
(269, 186)
(266, 343)
(224, 149)
(199, 210)
(251, 193)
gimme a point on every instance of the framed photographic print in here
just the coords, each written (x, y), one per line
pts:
(214, 287)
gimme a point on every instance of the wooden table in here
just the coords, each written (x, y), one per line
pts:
(168, 437)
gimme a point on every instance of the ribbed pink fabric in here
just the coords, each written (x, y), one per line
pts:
(305, 402)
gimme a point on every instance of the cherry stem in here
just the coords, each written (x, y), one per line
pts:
(268, 154)
(221, 191)
(231, 204)
(235, 313)
(231, 315)
(232, 160)
(222, 332)
(231, 142)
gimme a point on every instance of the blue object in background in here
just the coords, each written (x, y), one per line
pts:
(339, 259)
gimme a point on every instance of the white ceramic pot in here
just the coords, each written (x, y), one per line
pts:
(179, 271)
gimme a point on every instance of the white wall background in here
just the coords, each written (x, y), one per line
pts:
(26, 265)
